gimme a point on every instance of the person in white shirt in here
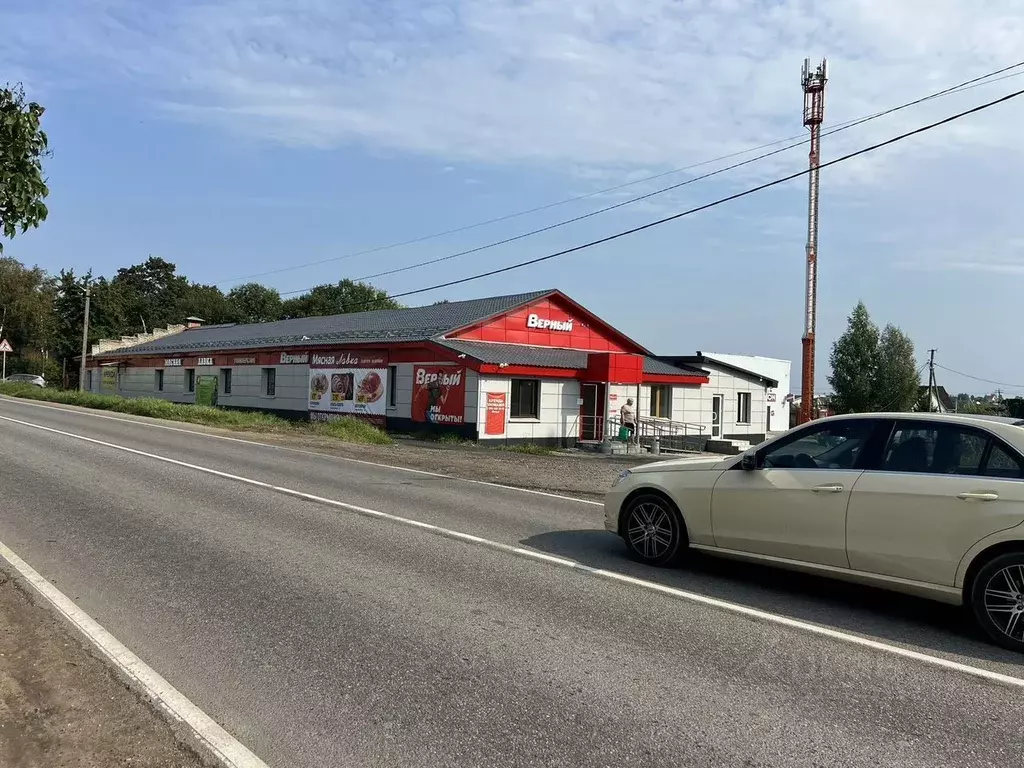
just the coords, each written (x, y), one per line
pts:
(627, 414)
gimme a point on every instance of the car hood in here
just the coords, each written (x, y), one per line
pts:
(688, 463)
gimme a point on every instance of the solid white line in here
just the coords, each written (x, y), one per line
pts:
(693, 597)
(84, 412)
(226, 748)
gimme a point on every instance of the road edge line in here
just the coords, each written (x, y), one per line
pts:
(225, 748)
(155, 423)
(692, 597)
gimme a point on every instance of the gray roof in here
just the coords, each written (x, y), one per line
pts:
(549, 357)
(699, 359)
(379, 326)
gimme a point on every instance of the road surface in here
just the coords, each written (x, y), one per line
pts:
(322, 635)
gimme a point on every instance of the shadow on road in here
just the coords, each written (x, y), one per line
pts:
(878, 614)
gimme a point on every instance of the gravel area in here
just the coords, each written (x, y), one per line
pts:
(61, 707)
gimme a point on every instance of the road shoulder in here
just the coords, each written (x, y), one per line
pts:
(61, 706)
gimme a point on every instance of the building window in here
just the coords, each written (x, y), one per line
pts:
(88, 380)
(159, 380)
(269, 382)
(525, 399)
(225, 380)
(661, 401)
(190, 379)
(743, 408)
(392, 386)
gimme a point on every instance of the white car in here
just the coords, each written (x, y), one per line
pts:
(924, 503)
(26, 378)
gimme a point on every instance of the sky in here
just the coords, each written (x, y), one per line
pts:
(241, 137)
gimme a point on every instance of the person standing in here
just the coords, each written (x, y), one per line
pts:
(627, 415)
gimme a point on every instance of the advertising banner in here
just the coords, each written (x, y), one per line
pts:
(206, 390)
(495, 424)
(348, 384)
(439, 394)
(108, 379)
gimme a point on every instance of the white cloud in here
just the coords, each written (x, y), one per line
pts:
(618, 84)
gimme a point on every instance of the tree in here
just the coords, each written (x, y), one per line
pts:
(338, 299)
(254, 303)
(897, 376)
(26, 302)
(207, 302)
(151, 294)
(873, 371)
(23, 145)
(853, 360)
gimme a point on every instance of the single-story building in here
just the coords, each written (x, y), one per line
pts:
(533, 367)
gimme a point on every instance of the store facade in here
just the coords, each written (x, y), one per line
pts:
(535, 367)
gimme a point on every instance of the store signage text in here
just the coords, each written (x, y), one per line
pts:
(172, 362)
(302, 357)
(245, 361)
(204, 361)
(445, 379)
(534, 321)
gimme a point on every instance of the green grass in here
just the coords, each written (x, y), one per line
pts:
(530, 448)
(348, 430)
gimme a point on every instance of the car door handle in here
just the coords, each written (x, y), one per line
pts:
(833, 488)
(978, 496)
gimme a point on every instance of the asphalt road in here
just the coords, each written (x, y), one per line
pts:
(323, 637)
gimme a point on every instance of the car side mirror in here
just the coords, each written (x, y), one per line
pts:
(748, 461)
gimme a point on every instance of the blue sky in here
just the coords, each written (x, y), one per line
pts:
(234, 137)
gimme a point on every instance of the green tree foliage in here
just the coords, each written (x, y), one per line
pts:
(254, 303)
(872, 371)
(23, 145)
(152, 294)
(338, 299)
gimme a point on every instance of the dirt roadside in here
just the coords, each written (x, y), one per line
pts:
(61, 707)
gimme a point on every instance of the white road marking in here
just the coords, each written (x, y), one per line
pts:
(73, 409)
(563, 562)
(230, 752)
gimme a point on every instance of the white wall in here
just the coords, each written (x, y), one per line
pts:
(772, 368)
(729, 385)
(559, 410)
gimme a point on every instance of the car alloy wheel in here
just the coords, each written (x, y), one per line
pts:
(653, 530)
(997, 599)
(1004, 601)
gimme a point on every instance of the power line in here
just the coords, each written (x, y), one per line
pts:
(842, 127)
(978, 378)
(706, 206)
(966, 85)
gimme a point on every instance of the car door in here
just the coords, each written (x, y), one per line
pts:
(939, 488)
(793, 504)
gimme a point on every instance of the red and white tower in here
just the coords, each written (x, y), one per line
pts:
(814, 113)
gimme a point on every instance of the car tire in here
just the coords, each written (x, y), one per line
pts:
(654, 530)
(997, 600)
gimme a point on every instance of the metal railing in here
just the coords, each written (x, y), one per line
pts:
(669, 435)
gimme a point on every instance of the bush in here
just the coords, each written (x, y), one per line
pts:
(349, 430)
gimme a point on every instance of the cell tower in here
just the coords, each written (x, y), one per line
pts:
(814, 113)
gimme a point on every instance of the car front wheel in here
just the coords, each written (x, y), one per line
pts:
(997, 599)
(654, 531)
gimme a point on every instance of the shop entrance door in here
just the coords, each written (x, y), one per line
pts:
(716, 415)
(592, 412)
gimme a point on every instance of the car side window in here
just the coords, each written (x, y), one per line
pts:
(932, 448)
(831, 445)
(1003, 463)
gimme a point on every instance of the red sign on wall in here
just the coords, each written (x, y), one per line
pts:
(439, 394)
(495, 424)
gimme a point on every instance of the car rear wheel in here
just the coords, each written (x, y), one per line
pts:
(997, 600)
(654, 531)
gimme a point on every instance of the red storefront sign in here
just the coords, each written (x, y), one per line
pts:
(439, 394)
(495, 424)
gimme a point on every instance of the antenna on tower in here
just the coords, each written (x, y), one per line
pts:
(813, 82)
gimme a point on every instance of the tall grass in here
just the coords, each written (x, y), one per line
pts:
(349, 430)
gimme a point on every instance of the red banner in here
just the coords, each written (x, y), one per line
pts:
(439, 394)
(495, 413)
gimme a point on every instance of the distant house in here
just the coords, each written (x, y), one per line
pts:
(938, 401)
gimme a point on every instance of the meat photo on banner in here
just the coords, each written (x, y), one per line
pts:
(348, 384)
(439, 394)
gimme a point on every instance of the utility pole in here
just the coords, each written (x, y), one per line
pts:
(933, 392)
(85, 342)
(813, 83)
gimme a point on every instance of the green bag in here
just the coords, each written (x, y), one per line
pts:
(623, 434)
